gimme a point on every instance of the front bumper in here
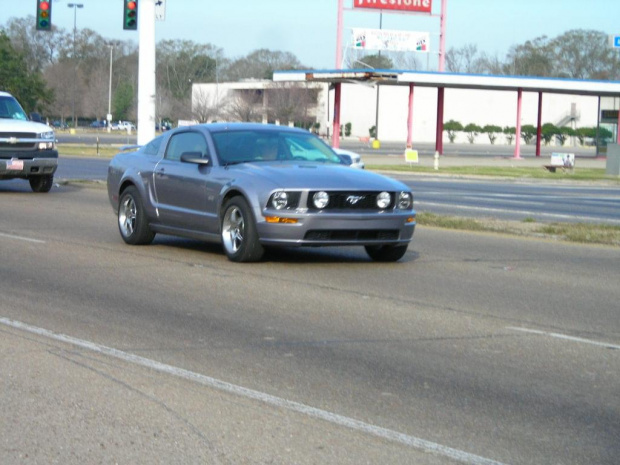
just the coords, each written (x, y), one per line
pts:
(20, 165)
(338, 229)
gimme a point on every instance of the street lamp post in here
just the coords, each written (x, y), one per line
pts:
(75, 6)
(109, 115)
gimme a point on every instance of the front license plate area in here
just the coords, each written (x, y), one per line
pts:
(15, 165)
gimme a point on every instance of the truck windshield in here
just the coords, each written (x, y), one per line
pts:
(11, 109)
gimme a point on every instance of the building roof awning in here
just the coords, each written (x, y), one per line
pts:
(453, 81)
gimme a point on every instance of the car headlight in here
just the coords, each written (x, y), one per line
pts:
(282, 200)
(279, 200)
(383, 200)
(320, 199)
(405, 201)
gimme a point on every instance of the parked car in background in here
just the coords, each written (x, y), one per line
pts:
(27, 148)
(353, 159)
(126, 126)
(255, 186)
(164, 126)
(59, 125)
(98, 124)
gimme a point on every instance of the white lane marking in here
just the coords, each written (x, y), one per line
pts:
(515, 212)
(20, 238)
(394, 436)
(565, 337)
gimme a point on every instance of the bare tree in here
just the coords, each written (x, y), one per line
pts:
(465, 60)
(291, 103)
(244, 105)
(260, 64)
(205, 107)
(58, 77)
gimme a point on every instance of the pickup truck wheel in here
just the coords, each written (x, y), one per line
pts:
(386, 253)
(132, 221)
(41, 183)
(239, 235)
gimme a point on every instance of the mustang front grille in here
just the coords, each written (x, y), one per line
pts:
(351, 201)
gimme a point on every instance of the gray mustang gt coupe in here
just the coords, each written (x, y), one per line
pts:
(254, 186)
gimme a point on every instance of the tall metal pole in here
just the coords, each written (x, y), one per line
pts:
(109, 115)
(339, 34)
(442, 36)
(146, 72)
(377, 106)
(75, 6)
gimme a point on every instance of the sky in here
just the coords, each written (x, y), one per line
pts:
(307, 28)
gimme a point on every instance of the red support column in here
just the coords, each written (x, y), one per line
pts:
(618, 128)
(336, 124)
(439, 134)
(539, 128)
(518, 128)
(410, 118)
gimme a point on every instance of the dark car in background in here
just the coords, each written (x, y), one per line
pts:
(98, 124)
(251, 187)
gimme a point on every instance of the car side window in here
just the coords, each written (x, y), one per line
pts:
(183, 142)
(152, 148)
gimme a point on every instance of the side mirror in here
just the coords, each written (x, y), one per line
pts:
(36, 118)
(194, 157)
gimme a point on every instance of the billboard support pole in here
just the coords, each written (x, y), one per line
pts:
(442, 36)
(518, 127)
(339, 34)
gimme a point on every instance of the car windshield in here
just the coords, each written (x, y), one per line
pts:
(258, 145)
(11, 109)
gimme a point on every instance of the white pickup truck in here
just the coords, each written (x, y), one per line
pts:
(27, 148)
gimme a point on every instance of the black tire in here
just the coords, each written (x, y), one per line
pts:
(132, 221)
(386, 253)
(41, 183)
(239, 235)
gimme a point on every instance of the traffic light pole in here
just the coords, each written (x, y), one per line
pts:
(146, 71)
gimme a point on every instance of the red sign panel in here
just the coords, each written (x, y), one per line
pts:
(417, 6)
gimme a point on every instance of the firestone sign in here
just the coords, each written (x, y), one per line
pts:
(417, 6)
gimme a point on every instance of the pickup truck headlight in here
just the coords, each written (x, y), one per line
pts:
(48, 140)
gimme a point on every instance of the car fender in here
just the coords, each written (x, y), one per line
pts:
(144, 186)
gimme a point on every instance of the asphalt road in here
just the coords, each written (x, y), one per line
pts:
(474, 349)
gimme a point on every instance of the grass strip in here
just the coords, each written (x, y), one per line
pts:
(570, 232)
(579, 174)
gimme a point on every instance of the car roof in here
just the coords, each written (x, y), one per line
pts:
(224, 127)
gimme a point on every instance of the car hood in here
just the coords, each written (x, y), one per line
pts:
(18, 125)
(288, 175)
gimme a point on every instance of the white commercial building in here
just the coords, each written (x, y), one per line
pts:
(359, 107)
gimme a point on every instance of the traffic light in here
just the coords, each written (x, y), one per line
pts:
(130, 16)
(44, 15)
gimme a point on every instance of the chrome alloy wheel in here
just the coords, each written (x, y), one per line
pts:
(127, 216)
(233, 229)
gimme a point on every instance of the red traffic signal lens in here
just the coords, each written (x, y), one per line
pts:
(131, 5)
(44, 6)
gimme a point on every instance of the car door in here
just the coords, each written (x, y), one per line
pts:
(186, 195)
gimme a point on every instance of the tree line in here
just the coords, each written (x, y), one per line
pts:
(60, 73)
